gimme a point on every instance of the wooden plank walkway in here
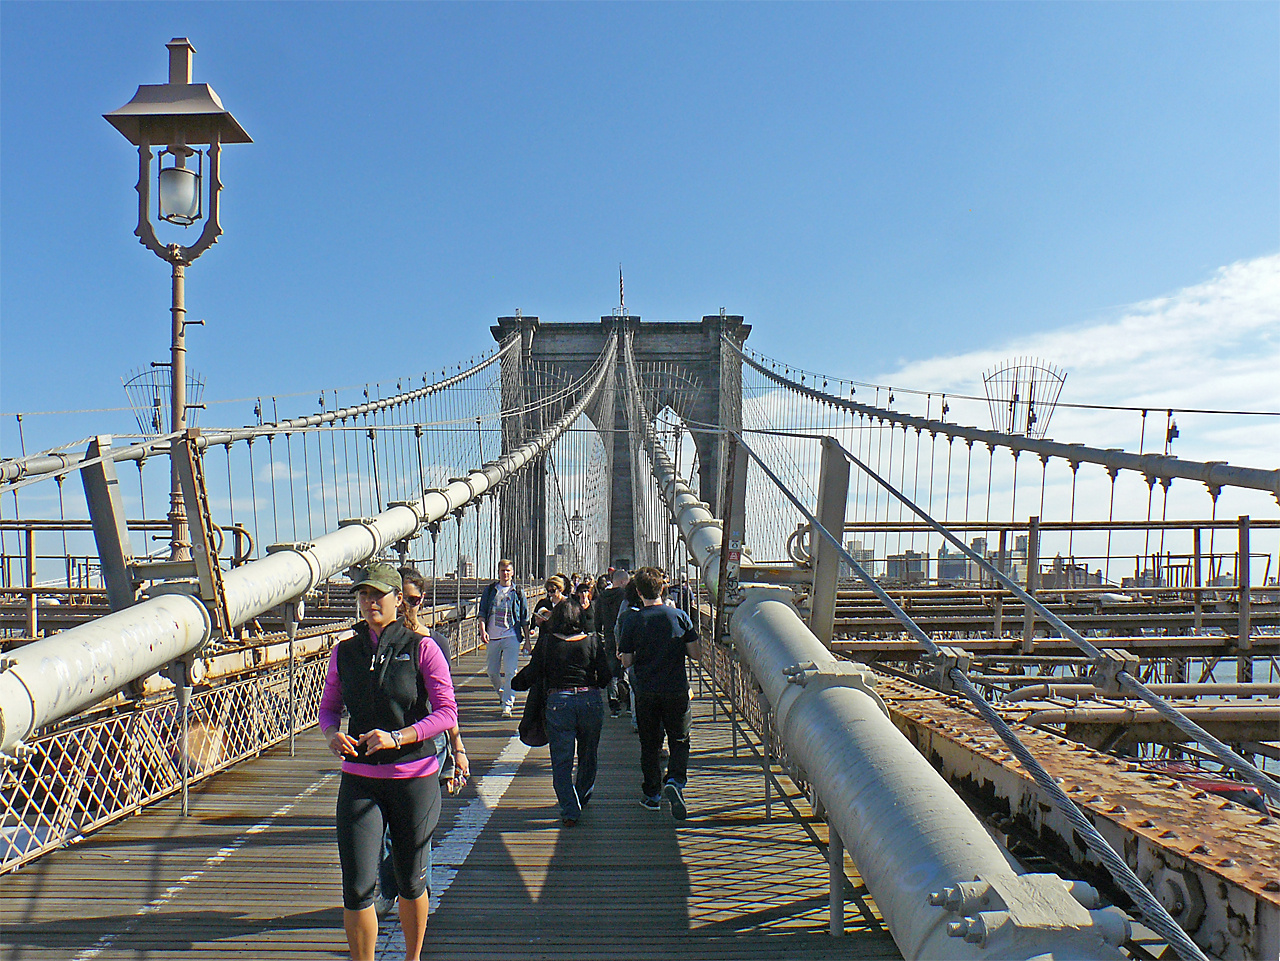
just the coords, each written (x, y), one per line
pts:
(253, 872)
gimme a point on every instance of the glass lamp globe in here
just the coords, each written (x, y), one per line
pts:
(179, 195)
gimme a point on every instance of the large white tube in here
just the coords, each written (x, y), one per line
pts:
(55, 677)
(66, 673)
(909, 834)
(914, 841)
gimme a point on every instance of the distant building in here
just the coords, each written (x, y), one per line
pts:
(906, 568)
(561, 562)
(862, 556)
(1064, 574)
(952, 565)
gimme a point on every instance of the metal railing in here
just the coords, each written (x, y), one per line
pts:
(1154, 467)
(77, 779)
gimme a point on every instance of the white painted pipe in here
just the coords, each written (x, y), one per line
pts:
(907, 831)
(914, 841)
(58, 676)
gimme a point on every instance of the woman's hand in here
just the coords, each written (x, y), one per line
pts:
(342, 745)
(461, 770)
(376, 740)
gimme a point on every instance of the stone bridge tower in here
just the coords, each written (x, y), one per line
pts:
(692, 352)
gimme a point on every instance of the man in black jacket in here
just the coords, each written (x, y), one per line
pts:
(656, 640)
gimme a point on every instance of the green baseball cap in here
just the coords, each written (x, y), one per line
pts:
(381, 576)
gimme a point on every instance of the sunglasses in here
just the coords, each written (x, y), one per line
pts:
(412, 600)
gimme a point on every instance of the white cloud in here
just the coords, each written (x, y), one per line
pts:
(1215, 345)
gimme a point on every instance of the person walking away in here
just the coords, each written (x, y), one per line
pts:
(610, 604)
(572, 659)
(504, 615)
(682, 594)
(655, 641)
(396, 688)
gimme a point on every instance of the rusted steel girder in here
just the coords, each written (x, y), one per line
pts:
(1215, 865)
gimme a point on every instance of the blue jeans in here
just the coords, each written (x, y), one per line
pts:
(574, 720)
(503, 661)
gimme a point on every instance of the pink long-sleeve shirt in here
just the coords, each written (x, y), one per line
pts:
(434, 668)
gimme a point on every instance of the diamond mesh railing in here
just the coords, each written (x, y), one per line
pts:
(77, 779)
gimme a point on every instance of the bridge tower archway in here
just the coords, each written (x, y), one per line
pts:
(691, 350)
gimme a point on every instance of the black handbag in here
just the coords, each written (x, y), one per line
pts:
(533, 722)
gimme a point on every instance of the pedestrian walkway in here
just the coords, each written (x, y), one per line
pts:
(253, 871)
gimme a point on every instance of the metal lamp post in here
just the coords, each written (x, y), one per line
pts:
(575, 528)
(174, 116)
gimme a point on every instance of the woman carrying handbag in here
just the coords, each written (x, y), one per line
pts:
(569, 664)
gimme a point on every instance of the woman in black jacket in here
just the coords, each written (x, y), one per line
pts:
(572, 660)
(584, 593)
(555, 587)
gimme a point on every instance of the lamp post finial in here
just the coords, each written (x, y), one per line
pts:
(180, 51)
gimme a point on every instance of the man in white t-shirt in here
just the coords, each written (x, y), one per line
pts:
(503, 617)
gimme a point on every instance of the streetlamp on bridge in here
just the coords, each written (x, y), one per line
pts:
(575, 528)
(174, 116)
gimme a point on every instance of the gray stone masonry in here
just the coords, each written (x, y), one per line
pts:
(693, 350)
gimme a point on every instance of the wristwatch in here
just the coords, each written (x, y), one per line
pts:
(396, 736)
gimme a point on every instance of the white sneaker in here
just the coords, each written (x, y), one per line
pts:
(506, 711)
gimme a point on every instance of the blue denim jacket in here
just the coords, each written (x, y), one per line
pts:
(520, 608)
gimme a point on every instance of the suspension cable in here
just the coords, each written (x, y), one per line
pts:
(1152, 910)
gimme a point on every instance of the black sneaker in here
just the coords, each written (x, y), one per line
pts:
(615, 713)
(651, 804)
(671, 791)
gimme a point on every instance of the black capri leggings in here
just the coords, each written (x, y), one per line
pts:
(410, 808)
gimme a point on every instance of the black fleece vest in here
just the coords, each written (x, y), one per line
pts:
(383, 688)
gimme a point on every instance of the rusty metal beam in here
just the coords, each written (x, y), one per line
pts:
(1219, 861)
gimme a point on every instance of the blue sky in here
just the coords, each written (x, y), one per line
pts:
(871, 185)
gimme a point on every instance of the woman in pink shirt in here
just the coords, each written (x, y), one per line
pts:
(396, 688)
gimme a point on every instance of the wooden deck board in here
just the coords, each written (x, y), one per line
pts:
(253, 872)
